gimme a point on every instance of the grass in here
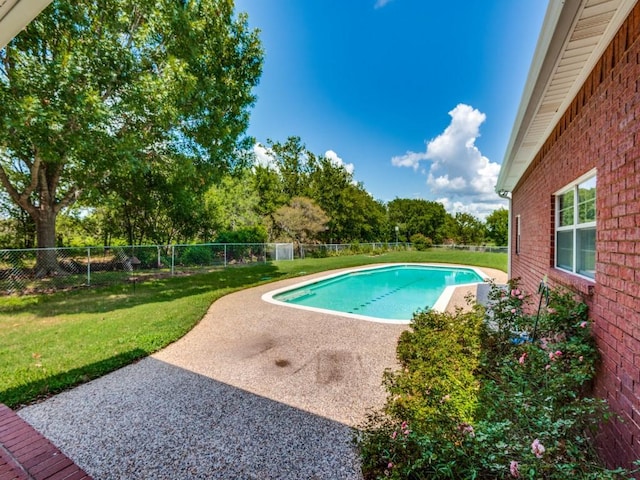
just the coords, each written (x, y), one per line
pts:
(53, 342)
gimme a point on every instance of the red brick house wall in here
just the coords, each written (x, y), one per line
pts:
(600, 130)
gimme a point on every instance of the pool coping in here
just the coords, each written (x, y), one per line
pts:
(441, 305)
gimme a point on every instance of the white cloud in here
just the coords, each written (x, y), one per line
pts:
(444, 183)
(381, 3)
(338, 162)
(409, 159)
(478, 209)
(458, 174)
(263, 157)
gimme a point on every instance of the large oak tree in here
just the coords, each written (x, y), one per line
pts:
(95, 92)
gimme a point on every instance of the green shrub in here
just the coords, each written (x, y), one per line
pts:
(357, 248)
(420, 242)
(487, 400)
(147, 256)
(432, 398)
(256, 234)
(196, 255)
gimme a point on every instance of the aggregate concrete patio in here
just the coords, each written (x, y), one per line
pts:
(254, 391)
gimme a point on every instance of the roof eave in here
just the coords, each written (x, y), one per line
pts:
(15, 15)
(558, 26)
(533, 85)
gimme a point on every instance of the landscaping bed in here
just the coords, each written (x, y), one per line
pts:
(491, 393)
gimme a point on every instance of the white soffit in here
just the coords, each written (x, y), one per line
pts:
(575, 34)
(15, 15)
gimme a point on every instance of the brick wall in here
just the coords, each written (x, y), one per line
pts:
(601, 130)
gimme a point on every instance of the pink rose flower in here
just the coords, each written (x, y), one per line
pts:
(513, 310)
(583, 325)
(467, 429)
(537, 448)
(522, 358)
(553, 356)
(513, 468)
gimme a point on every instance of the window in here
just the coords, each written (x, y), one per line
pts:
(576, 227)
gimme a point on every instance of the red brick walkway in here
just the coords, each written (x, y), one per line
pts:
(26, 455)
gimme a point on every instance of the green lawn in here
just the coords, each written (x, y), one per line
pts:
(52, 342)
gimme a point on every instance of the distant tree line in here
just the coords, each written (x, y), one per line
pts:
(300, 197)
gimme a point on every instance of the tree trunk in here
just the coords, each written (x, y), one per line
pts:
(47, 261)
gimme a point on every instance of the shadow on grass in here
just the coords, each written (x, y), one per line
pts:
(105, 299)
(45, 387)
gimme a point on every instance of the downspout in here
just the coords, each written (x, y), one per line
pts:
(507, 195)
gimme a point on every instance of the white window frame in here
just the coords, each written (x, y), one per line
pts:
(575, 227)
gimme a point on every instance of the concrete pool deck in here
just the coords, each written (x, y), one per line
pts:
(254, 391)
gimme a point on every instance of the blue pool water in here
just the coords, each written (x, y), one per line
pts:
(385, 293)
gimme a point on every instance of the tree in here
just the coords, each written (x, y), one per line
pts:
(417, 216)
(363, 217)
(466, 229)
(93, 91)
(301, 220)
(233, 204)
(294, 163)
(498, 226)
(268, 187)
(354, 214)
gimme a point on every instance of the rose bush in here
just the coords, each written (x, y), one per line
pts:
(491, 393)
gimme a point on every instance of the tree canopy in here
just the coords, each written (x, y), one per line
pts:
(498, 226)
(121, 98)
(413, 216)
(301, 220)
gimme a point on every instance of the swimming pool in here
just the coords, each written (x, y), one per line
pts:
(390, 293)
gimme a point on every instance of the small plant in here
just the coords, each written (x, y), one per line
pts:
(420, 242)
(481, 399)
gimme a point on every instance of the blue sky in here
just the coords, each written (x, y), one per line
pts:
(418, 97)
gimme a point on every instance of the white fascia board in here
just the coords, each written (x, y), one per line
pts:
(534, 86)
(18, 15)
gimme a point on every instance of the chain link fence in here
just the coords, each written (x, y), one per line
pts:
(47, 270)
